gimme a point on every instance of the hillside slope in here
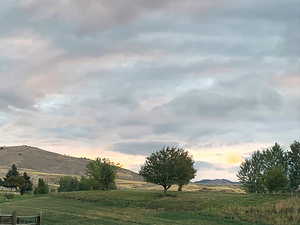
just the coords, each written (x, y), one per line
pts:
(216, 182)
(35, 159)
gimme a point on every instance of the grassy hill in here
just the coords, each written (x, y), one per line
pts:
(128, 207)
(49, 165)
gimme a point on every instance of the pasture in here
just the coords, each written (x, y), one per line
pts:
(150, 207)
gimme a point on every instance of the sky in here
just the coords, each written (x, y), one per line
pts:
(122, 79)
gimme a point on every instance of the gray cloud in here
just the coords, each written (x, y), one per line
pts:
(141, 148)
(139, 75)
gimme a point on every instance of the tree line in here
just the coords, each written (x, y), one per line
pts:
(100, 175)
(166, 167)
(271, 170)
(22, 183)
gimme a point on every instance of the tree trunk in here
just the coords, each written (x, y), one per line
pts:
(180, 187)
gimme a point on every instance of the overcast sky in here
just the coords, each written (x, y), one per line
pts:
(121, 79)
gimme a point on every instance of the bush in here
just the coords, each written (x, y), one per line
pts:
(68, 184)
(42, 187)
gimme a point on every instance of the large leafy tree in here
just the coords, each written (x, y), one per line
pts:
(294, 165)
(254, 171)
(169, 166)
(102, 174)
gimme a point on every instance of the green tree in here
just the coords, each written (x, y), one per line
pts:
(294, 165)
(167, 167)
(26, 184)
(85, 184)
(42, 187)
(275, 180)
(253, 171)
(250, 173)
(102, 174)
(68, 184)
(11, 179)
(184, 168)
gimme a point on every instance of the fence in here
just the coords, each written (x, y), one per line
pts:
(13, 219)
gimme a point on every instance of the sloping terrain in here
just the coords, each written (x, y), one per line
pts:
(44, 163)
(216, 182)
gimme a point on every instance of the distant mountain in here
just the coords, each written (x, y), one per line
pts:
(34, 159)
(216, 182)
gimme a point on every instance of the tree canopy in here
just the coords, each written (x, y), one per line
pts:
(102, 174)
(169, 166)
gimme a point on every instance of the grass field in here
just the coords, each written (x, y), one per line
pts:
(130, 207)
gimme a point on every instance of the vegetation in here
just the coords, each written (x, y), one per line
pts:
(101, 174)
(69, 184)
(14, 180)
(294, 165)
(151, 207)
(42, 187)
(271, 170)
(169, 166)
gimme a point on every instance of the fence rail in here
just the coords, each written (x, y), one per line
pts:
(13, 219)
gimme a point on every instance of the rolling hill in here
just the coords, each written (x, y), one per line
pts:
(223, 182)
(44, 163)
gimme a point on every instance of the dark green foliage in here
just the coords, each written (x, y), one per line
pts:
(67, 184)
(102, 174)
(294, 165)
(13, 179)
(250, 173)
(13, 171)
(184, 168)
(85, 184)
(170, 165)
(27, 184)
(253, 171)
(275, 180)
(42, 187)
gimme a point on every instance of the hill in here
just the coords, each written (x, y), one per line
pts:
(37, 162)
(223, 182)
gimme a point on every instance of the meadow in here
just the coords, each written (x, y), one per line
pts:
(151, 207)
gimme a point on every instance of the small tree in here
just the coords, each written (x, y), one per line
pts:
(102, 174)
(26, 185)
(85, 184)
(12, 178)
(42, 187)
(275, 180)
(170, 165)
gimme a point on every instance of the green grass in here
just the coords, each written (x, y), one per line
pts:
(130, 207)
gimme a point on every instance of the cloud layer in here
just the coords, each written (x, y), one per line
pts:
(121, 79)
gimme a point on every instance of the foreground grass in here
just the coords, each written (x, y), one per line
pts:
(152, 207)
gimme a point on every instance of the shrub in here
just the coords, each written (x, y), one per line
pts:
(42, 187)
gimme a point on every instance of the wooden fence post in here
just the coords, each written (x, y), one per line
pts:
(14, 218)
(39, 218)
